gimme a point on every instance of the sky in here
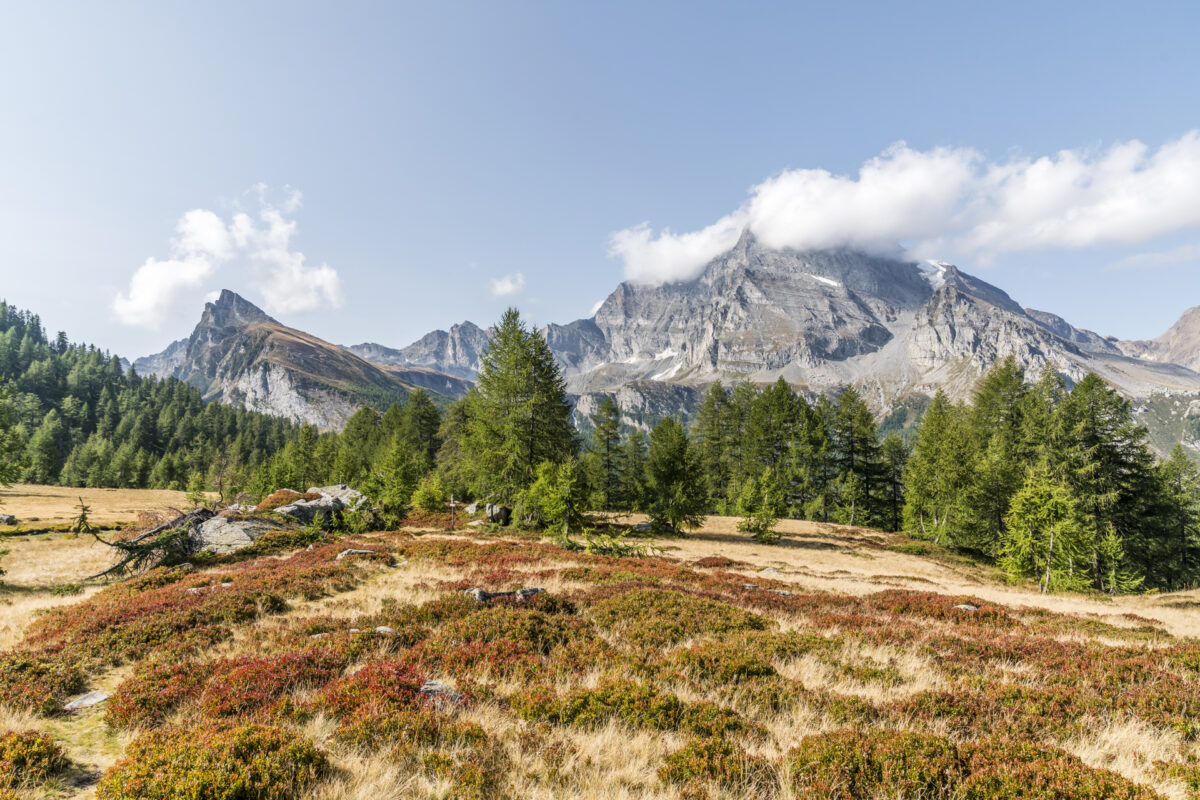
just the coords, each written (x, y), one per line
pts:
(373, 171)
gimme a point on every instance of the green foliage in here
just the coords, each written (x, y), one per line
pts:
(555, 500)
(863, 765)
(29, 758)
(251, 762)
(718, 761)
(517, 415)
(430, 494)
(675, 495)
(657, 618)
(761, 503)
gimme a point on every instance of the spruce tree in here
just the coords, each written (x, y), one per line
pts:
(937, 474)
(674, 484)
(519, 415)
(604, 452)
(1178, 555)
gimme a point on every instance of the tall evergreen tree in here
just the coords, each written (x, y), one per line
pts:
(604, 455)
(937, 474)
(519, 414)
(675, 493)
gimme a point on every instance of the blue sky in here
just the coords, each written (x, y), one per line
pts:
(371, 171)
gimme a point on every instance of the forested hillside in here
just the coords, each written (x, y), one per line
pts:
(1053, 482)
(77, 417)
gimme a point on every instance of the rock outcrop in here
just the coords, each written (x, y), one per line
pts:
(239, 355)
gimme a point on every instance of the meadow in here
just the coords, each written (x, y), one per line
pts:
(842, 662)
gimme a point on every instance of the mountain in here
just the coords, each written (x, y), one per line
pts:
(239, 355)
(898, 329)
(455, 352)
(821, 320)
(1179, 345)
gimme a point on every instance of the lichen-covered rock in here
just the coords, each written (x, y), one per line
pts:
(221, 535)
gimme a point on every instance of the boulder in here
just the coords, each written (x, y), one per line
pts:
(351, 498)
(472, 509)
(305, 511)
(7, 519)
(643, 527)
(500, 515)
(86, 701)
(221, 535)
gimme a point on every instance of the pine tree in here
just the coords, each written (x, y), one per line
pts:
(604, 451)
(9, 444)
(894, 456)
(1046, 537)
(937, 474)
(713, 431)
(519, 415)
(761, 504)
(856, 456)
(1178, 555)
(674, 484)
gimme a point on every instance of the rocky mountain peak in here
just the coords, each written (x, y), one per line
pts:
(231, 310)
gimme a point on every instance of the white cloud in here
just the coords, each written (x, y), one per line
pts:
(508, 285)
(257, 242)
(947, 202)
(1178, 255)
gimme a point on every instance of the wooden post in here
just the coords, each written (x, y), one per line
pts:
(451, 512)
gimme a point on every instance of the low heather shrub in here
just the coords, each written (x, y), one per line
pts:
(719, 761)
(657, 618)
(864, 765)
(28, 758)
(251, 762)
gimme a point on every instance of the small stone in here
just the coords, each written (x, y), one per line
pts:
(475, 523)
(226, 585)
(353, 552)
(355, 630)
(525, 594)
(441, 692)
(480, 595)
(781, 593)
(319, 635)
(768, 571)
(749, 586)
(87, 701)
(7, 519)
(384, 630)
(967, 607)
(643, 527)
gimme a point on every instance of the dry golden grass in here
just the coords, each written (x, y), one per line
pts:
(616, 761)
(57, 505)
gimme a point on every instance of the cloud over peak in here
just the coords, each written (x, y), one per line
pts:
(947, 202)
(257, 242)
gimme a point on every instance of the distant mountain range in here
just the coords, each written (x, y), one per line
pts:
(897, 329)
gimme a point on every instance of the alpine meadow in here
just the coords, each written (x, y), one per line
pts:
(635, 403)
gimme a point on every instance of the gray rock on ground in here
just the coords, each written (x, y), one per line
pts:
(86, 701)
(472, 509)
(7, 519)
(441, 692)
(306, 511)
(222, 536)
(500, 515)
(351, 498)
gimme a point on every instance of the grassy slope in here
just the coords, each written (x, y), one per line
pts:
(867, 637)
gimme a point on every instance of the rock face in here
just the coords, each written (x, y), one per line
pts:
(223, 536)
(826, 319)
(1179, 345)
(239, 355)
(455, 352)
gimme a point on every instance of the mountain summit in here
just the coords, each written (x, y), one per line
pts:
(239, 355)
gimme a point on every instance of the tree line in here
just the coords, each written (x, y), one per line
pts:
(1052, 481)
